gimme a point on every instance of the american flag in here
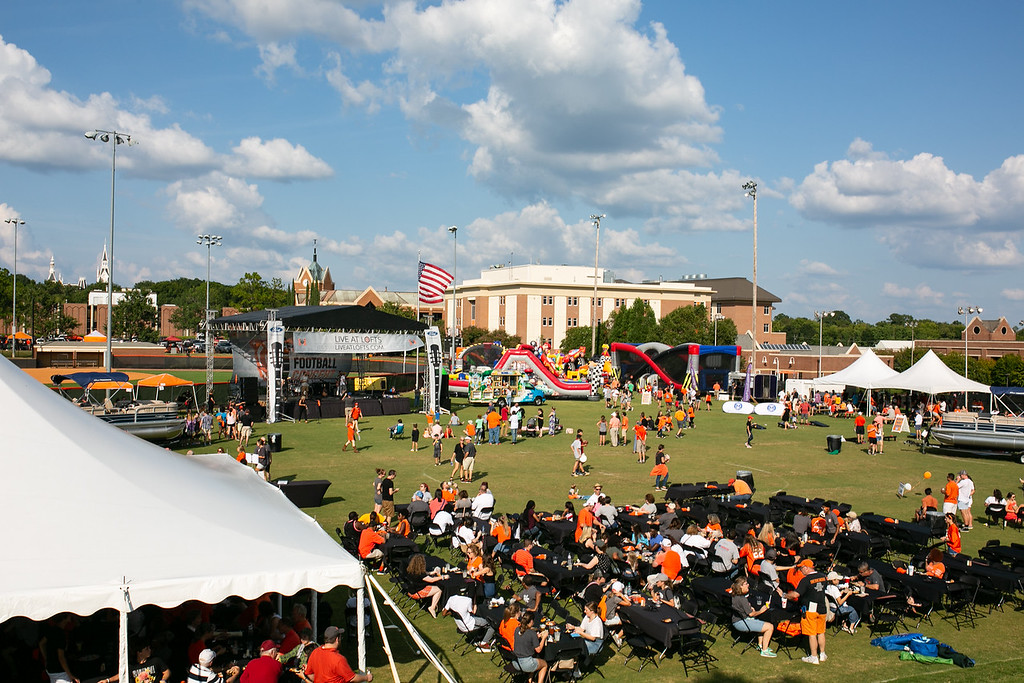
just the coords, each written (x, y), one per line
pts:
(432, 282)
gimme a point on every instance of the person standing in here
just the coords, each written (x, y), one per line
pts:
(810, 591)
(350, 429)
(415, 438)
(640, 441)
(387, 497)
(54, 648)
(965, 499)
(264, 458)
(513, 423)
(950, 495)
(438, 448)
(577, 455)
(493, 427)
(858, 427)
(468, 459)
(660, 470)
(303, 411)
(750, 430)
(265, 668)
(614, 424)
(327, 665)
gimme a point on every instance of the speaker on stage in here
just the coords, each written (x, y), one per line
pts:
(446, 398)
(249, 390)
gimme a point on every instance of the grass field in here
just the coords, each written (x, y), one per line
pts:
(794, 461)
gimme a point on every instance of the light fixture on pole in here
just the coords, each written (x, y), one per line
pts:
(820, 316)
(15, 222)
(751, 191)
(913, 328)
(454, 230)
(116, 139)
(593, 312)
(716, 317)
(967, 311)
(210, 241)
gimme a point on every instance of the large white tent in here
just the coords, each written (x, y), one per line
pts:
(98, 518)
(931, 376)
(867, 372)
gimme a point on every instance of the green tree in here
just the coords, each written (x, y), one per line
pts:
(313, 293)
(189, 316)
(253, 293)
(575, 337)
(397, 309)
(135, 316)
(685, 324)
(1008, 371)
(636, 324)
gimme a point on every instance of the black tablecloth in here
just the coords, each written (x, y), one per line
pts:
(752, 512)
(556, 573)
(637, 524)
(1004, 553)
(394, 542)
(692, 491)
(910, 532)
(659, 623)
(797, 504)
(558, 530)
(567, 647)
(922, 586)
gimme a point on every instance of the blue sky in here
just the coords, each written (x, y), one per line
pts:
(885, 139)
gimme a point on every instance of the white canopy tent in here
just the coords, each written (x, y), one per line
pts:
(101, 519)
(867, 372)
(931, 376)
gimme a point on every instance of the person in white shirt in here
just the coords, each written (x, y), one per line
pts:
(461, 609)
(483, 506)
(966, 499)
(441, 523)
(591, 629)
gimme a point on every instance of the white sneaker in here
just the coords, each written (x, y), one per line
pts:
(822, 657)
(810, 659)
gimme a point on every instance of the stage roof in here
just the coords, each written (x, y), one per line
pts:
(323, 318)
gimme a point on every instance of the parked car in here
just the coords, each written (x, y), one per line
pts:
(223, 346)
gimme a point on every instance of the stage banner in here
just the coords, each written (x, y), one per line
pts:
(319, 368)
(275, 367)
(339, 342)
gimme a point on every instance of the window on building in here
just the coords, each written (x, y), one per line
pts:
(767, 327)
(571, 322)
(501, 321)
(472, 309)
(767, 310)
(501, 301)
(574, 301)
(718, 308)
(599, 300)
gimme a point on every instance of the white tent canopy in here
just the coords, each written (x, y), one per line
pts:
(868, 372)
(102, 519)
(931, 376)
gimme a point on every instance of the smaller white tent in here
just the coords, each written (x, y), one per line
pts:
(931, 376)
(867, 372)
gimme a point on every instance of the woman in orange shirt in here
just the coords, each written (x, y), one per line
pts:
(934, 566)
(509, 624)
(952, 534)
(502, 531)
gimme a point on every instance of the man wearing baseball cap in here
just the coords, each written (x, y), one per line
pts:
(327, 665)
(810, 591)
(265, 668)
(202, 673)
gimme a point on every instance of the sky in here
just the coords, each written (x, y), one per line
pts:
(885, 140)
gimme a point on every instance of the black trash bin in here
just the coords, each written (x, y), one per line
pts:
(274, 441)
(747, 477)
(834, 444)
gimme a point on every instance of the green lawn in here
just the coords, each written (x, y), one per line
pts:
(794, 461)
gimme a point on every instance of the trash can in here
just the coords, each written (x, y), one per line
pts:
(274, 441)
(834, 444)
(747, 477)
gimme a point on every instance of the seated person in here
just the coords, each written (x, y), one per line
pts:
(995, 506)
(527, 649)
(508, 625)
(934, 566)
(928, 504)
(397, 430)
(422, 585)
(1011, 508)
(591, 630)
(461, 608)
(530, 599)
(402, 527)
(660, 590)
(744, 617)
(741, 491)
(369, 542)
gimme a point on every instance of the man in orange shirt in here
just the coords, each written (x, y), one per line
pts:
(493, 427)
(858, 424)
(928, 503)
(950, 495)
(741, 491)
(872, 439)
(640, 441)
(369, 539)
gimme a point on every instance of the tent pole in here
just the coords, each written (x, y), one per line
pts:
(361, 626)
(383, 637)
(314, 610)
(280, 604)
(122, 645)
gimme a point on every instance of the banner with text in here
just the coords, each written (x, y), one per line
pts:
(338, 342)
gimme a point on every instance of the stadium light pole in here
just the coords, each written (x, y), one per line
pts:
(716, 317)
(454, 230)
(751, 191)
(115, 138)
(210, 241)
(913, 328)
(967, 311)
(593, 312)
(821, 315)
(15, 222)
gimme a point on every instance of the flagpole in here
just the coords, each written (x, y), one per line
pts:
(416, 396)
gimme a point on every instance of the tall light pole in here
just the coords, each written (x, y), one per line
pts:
(15, 222)
(210, 241)
(821, 315)
(716, 317)
(751, 191)
(454, 230)
(593, 309)
(966, 312)
(913, 328)
(116, 138)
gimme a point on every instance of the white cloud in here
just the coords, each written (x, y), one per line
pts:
(275, 159)
(215, 202)
(273, 56)
(1015, 294)
(921, 293)
(808, 267)
(578, 100)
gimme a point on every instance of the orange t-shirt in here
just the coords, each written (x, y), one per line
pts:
(493, 420)
(475, 563)
(367, 540)
(507, 630)
(584, 519)
(448, 495)
(471, 428)
(953, 538)
(930, 502)
(859, 421)
(671, 565)
(523, 561)
(872, 431)
(741, 488)
(952, 492)
(501, 533)
(936, 569)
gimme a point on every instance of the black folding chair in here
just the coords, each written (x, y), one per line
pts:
(695, 647)
(960, 607)
(642, 647)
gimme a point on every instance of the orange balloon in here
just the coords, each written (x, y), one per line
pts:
(927, 475)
